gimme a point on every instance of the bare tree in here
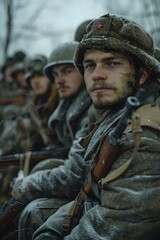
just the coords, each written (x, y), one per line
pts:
(152, 17)
(14, 28)
(9, 11)
(23, 21)
(146, 13)
(28, 21)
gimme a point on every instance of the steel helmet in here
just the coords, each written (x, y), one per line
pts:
(81, 30)
(62, 54)
(34, 65)
(18, 67)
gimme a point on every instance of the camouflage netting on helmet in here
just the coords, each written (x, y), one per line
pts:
(62, 54)
(116, 33)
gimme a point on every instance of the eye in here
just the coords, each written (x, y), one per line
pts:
(89, 66)
(68, 70)
(53, 74)
(112, 63)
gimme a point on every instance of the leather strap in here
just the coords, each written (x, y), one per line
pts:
(136, 129)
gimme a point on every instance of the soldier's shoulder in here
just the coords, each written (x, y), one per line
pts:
(149, 115)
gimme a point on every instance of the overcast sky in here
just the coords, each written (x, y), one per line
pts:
(39, 25)
(57, 21)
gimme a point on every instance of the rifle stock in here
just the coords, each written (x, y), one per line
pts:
(108, 153)
(17, 99)
(37, 156)
(11, 209)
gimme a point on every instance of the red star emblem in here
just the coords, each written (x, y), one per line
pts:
(99, 26)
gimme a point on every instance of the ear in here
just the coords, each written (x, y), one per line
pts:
(143, 76)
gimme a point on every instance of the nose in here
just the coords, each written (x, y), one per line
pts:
(35, 80)
(98, 73)
(59, 79)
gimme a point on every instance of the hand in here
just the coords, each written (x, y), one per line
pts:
(24, 124)
(18, 181)
(15, 191)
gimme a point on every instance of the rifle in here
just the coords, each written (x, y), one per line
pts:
(37, 120)
(36, 156)
(10, 210)
(107, 154)
(16, 98)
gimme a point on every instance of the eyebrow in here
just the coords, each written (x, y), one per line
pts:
(104, 59)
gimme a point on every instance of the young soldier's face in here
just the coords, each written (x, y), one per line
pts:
(7, 75)
(39, 84)
(67, 79)
(109, 77)
(21, 80)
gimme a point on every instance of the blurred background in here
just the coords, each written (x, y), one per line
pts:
(37, 26)
(29, 31)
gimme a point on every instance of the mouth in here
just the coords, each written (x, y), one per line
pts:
(38, 87)
(62, 89)
(101, 89)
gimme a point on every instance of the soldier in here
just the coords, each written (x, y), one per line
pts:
(29, 131)
(71, 90)
(33, 122)
(78, 36)
(5, 87)
(12, 100)
(8, 103)
(81, 30)
(18, 74)
(116, 59)
(12, 65)
(69, 121)
(18, 70)
(7, 79)
(28, 137)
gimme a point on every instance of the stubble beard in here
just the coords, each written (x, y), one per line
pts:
(132, 85)
(106, 105)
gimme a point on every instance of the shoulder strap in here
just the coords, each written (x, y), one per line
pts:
(36, 119)
(149, 117)
(136, 129)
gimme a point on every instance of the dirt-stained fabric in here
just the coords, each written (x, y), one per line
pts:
(129, 205)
